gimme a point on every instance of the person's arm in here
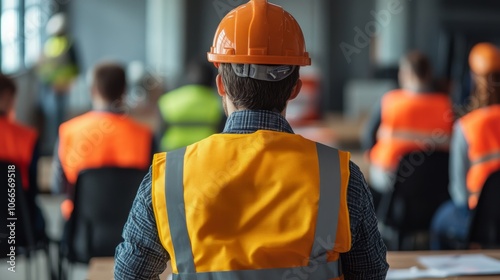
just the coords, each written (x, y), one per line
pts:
(370, 133)
(33, 171)
(141, 256)
(59, 182)
(459, 166)
(367, 258)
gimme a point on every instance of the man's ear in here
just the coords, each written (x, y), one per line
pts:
(296, 90)
(220, 85)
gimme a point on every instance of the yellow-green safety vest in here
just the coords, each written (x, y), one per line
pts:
(192, 113)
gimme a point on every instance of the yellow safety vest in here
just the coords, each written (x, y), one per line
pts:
(266, 205)
(57, 67)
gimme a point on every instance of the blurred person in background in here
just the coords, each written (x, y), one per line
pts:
(406, 120)
(192, 112)
(255, 201)
(106, 136)
(57, 69)
(19, 146)
(474, 151)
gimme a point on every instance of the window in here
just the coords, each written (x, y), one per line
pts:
(11, 43)
(22, 23)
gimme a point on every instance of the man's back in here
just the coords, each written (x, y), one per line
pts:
(251, 199)
(98, 139)
(260, 191)
(411, 122)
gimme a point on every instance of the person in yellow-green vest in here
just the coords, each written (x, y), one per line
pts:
(191, 112)
(256, 201)
(57, 69)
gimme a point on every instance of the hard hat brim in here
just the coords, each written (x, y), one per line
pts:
(263, 59)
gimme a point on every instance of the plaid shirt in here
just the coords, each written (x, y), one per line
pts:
(141, 255)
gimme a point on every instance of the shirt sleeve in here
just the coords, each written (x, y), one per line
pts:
(59, 182)
(140, 256)
(459, 166)
(367, 258)
(33, 170)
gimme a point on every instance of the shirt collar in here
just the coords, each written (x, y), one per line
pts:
(248, 121)
(112, 110)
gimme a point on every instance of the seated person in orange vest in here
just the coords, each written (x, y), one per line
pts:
(409, 119)
(18, 145)
(106, 136)
(474, 149)
(256, 201)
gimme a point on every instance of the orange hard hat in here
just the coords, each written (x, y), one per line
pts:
(484, 58)
(259, 33)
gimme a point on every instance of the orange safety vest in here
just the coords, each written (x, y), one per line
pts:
(98, 139)
(17, 145)
(481, 129)
(266, 205)
(411, 122)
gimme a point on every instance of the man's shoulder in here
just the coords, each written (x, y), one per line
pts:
(22, 130)
(104, 121)
(357, 181)
(76, 121)
(139, 127)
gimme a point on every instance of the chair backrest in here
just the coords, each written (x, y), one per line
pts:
(421, 186)
(485, 224)
(16, 211)
(103, 199)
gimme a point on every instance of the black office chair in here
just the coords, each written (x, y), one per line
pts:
(28, 239)
(102, 201)
(421, 186)
(484, 230)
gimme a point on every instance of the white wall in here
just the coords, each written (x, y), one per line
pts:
(165, 38)
(110, 29)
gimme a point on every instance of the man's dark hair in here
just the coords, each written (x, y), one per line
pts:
(110, 80)
(487, 91)
(419, 64)
(254, 94)
(7, 85)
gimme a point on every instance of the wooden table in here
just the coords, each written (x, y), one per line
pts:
(102, 269)
(409, 259)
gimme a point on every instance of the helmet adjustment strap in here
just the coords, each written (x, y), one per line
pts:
(271, 73)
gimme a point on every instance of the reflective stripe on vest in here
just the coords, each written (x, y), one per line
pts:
(487, 158)
(405, 135)
(324, 239)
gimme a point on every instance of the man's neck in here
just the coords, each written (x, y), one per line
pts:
(231, 109)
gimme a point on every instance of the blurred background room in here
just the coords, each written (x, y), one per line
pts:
(50, 48)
